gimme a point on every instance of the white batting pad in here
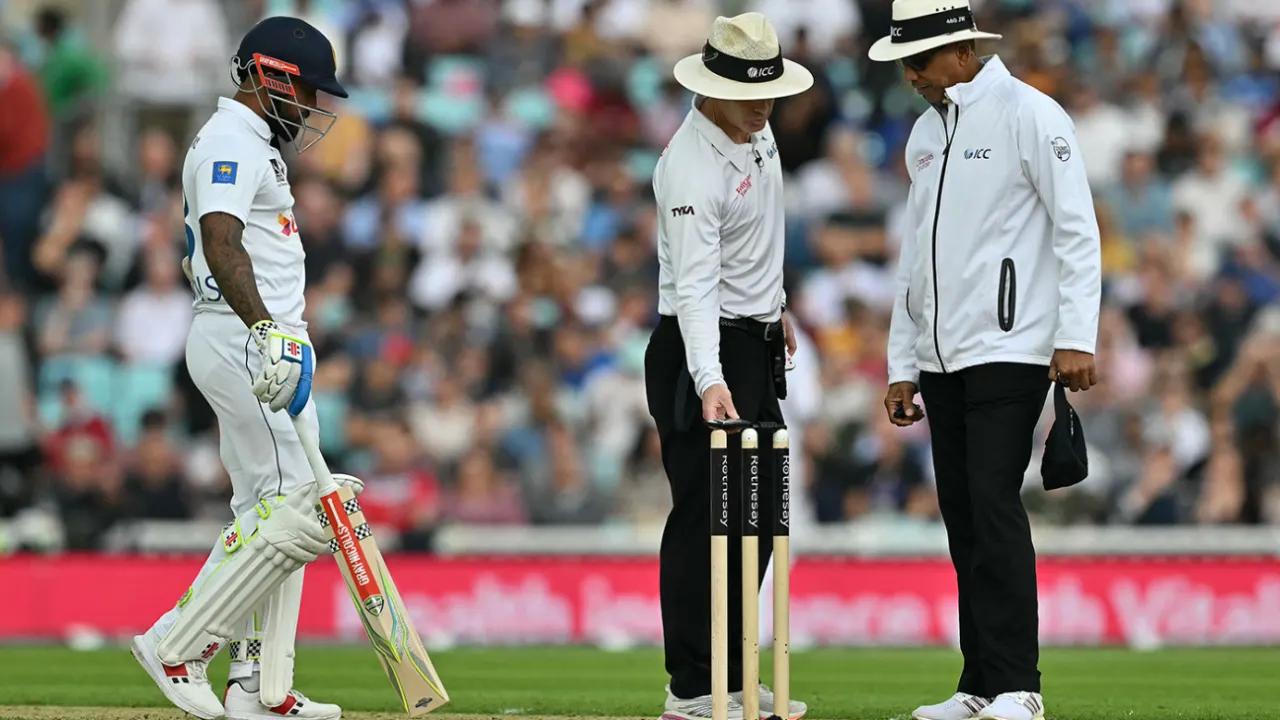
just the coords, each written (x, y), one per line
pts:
(288, 536)
(281, 619)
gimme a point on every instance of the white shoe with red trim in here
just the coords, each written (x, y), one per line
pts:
(243, 704)
(961, 706)
(185, 685)
(1022, 705)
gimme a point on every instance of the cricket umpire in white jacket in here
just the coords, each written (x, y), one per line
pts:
(998, 292)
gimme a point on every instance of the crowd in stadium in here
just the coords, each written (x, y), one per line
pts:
(479, 230)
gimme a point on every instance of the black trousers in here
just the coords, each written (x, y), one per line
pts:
(685, 557)
(982, 420)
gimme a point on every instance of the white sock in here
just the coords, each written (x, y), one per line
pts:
(244, 670)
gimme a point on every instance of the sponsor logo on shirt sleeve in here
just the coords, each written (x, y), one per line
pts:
(1061, 148)
(224, 172)
(682, 210)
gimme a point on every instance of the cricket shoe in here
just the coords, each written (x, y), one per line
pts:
(961, 706)
(797, 709)
(244, 703)
(1021, 705)
(698, 708)
(185, 685)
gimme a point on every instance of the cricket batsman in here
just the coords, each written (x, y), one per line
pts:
(249, 354)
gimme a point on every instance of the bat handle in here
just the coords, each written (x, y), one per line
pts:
(325, 483)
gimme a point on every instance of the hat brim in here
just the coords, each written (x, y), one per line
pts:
(694, 76)
(886, 50)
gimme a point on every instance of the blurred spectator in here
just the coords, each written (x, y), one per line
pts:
(445, 27)
(69, 70)
(1211, 195)
(480, 494)
(466, 269)
(566, 496)
(77, 322)
(19, 452)
(464, 200)
(1104, 134)
(315, 200)
(169, 54)
(152, 323)
(826, 25)
(79, 424)
(377, 45)
(86, 208)
(80, 458)
(24, 137)
(843, 182)
(89, 493)
(445, 426)
(158, 179)
(395, 207)
(1140, 200)
(401, 494)
(153, 483)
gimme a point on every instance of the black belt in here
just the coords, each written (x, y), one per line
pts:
(763, 330)
(766, 331)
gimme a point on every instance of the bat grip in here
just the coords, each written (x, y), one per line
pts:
(325, 483)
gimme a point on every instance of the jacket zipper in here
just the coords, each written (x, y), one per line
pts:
(937, 213)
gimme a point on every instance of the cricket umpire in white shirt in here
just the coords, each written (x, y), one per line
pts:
(998, 292)
(722, 342)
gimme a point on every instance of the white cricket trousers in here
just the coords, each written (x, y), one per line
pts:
(259, 448)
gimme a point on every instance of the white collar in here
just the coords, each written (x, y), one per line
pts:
(734, 152)
(993, 70)
(240, 110)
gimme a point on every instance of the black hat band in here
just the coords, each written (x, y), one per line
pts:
(739, 70)
(931, 26)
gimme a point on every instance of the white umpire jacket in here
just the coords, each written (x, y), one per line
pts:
(1000, 261)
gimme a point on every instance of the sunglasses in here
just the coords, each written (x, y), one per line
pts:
(919, 61)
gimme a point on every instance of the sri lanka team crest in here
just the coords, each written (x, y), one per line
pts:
(287, 225)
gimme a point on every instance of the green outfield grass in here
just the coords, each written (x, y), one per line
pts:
(1217, 684)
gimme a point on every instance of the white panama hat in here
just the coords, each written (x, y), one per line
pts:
(742, 60)
(920, 25)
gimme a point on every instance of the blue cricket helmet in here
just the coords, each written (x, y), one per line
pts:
(294, 42)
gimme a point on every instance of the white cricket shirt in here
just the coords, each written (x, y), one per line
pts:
(720, 236)
(232, 168)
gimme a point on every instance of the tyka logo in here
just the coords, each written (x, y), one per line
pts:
(978, 154)
(682, 210)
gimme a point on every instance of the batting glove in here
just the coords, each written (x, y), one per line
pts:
(284, 382)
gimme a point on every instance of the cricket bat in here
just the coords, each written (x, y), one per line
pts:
(382, 613)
